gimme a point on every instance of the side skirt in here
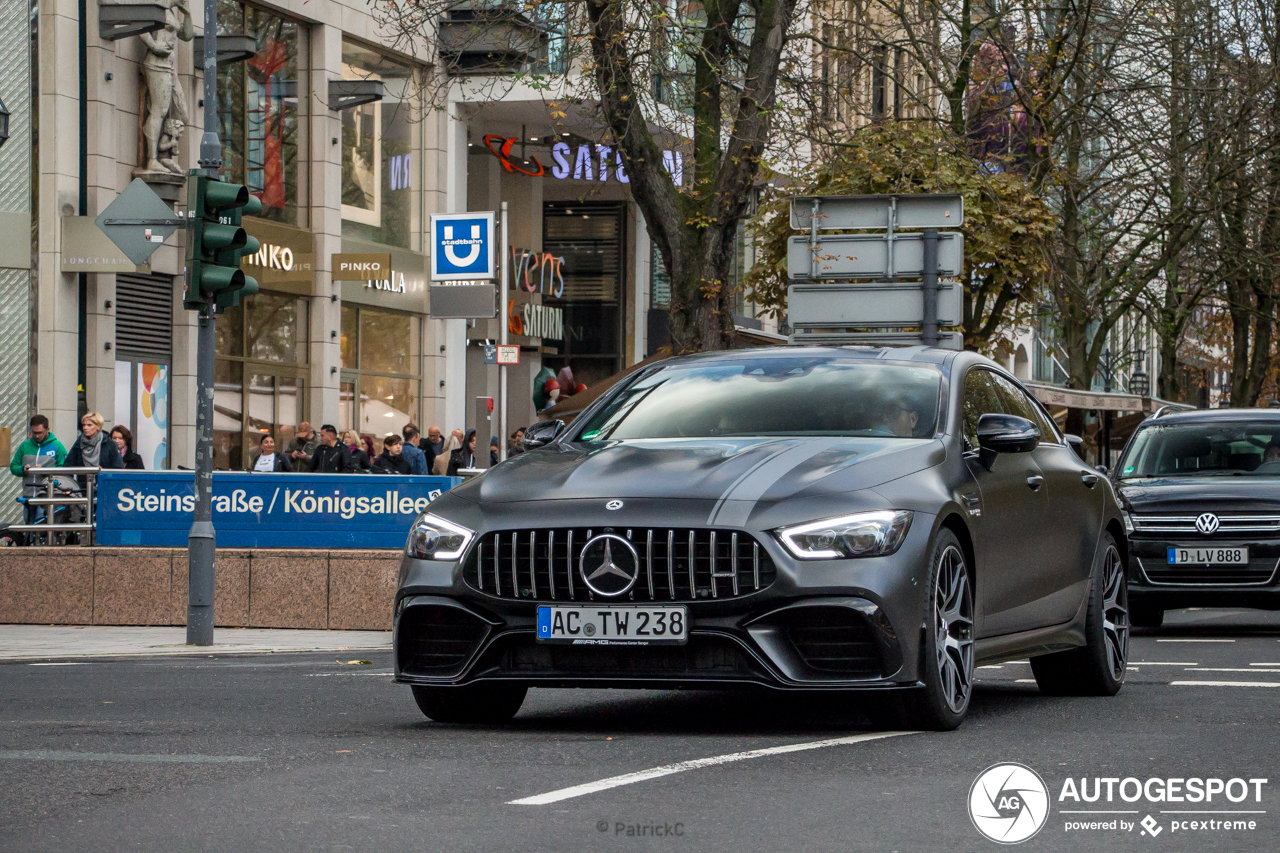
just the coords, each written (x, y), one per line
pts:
(1037, 641)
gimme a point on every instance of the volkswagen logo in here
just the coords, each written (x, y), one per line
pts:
(1207, 523)
(613, 504)
(609, 565)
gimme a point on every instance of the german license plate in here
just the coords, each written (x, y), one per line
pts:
(1208, 556)
(613, 626)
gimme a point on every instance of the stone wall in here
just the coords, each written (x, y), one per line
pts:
(254, 587)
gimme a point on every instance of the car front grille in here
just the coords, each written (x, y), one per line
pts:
(834, 639)
(1260, 573)
(1227, 524)
(675, 564)
(701, 657)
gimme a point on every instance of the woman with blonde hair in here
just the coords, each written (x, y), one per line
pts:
(93, 449)
(360, 460)
(441, 466)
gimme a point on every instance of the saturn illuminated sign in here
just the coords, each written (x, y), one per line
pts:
(586, 163)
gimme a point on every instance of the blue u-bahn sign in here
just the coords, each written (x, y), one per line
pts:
(155, 508)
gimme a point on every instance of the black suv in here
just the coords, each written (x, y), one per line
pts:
(1201, 496)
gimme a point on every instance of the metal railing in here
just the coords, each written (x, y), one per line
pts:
(52, 501)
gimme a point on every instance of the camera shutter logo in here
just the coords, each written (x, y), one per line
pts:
(1008, 803)
(1207, 523)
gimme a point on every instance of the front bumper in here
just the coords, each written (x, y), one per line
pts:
(1153, 582)
(838, 624)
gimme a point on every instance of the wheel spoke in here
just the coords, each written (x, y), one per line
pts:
(953, 624)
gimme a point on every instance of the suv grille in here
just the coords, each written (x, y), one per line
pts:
(675, 564)
(1227, 524)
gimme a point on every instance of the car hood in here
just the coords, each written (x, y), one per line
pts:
(1194, 495)
(752, 469)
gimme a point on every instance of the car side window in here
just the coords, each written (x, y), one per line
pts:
(1018, 403)
(981, 397)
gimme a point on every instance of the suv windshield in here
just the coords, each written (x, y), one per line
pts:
(764, 396)
(1236, 448)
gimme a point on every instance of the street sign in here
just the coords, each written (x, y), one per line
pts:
(138, 221)
(508, 354)
(867, 256)
(462, 247)
(464, 301)
(842, 306)
(936, 210)
(490, 353)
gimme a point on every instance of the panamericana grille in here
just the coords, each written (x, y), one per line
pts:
(1227, 524)
(834, 639)
(676, 564)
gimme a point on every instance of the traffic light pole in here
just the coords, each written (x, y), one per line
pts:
(201, 539)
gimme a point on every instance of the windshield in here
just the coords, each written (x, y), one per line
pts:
(1232, 448)
(766, 396)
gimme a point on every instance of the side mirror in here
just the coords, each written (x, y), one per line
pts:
(1076, 443)
(1005, 434)
(1103, 470)
(543, 432)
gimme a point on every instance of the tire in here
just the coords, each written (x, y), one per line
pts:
(474, 703)
(1096, 668)
(947, 650)
(1146, 615)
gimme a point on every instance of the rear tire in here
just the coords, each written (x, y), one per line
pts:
(473, 703)
(947, 650)
(1146, 616)
(1096, 668)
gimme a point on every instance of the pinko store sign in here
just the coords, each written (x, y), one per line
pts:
(600, 163)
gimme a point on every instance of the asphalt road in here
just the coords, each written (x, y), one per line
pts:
(302, 752)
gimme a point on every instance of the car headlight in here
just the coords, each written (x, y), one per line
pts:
(433, 538)
(864, 534)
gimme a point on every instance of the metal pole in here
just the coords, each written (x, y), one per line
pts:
(503, 337)
(930, 282)
(201, 542)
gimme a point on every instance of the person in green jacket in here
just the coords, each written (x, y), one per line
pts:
(41, 442)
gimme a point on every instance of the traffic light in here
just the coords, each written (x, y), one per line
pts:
(217, 242)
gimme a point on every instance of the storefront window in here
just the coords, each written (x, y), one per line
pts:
(260, 113)
(379, 392)
(379, 153)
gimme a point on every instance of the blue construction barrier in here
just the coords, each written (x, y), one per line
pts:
(154, 508)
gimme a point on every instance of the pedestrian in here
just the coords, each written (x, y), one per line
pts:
(464, 456)
(493, 451)
(392, 459)
(366, 441)
(441, 468)
(39, 445)
(267, 461)
(516, 445)
(457, 433)
(93, 449)
(419, 460)
(302, 448)
(123, 438)
(331, 456)
(435, 439)
(360, 461)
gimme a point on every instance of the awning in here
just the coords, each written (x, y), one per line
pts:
(1107, 401)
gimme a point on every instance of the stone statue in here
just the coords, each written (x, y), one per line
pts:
(165, 115)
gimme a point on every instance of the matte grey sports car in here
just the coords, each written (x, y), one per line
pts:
(845, 518)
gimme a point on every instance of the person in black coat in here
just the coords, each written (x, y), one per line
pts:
(360, 461)
(464, 456)
(392, 459)
(267, 461)
(332, 456)
(124, 442)
(93, 449)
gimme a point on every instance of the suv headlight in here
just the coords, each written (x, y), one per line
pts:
(864, 534)
(433, 538)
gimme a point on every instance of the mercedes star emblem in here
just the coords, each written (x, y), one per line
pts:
(609, 565)
(1207, 523)
(613, 504)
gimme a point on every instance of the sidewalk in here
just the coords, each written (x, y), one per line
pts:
(24, 642)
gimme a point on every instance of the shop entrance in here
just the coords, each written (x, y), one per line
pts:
(590, 239)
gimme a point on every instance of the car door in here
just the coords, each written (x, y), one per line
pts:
(1013, 509)
(1073, 492)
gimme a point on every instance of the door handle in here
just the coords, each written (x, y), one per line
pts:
(1035, 481)
(1088, 479)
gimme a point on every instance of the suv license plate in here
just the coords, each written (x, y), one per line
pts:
(613, 626)
(1208, 556)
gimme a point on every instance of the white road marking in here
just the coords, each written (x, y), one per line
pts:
(1024, 681)
(991, 666)
(1264, 664)
(65, 663)
(694, 764)
(1229, 669)
(64, 755)
(1163, 663)
(1225, 683)
(1215, 640)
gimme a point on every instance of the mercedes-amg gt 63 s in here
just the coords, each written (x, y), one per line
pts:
(839, 519)
(1201, 495)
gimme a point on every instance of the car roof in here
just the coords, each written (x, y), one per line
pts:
(930, 355)
(1217, 416)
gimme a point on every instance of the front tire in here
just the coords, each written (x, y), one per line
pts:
(1097, 668)
(947, 653)
(473, 703)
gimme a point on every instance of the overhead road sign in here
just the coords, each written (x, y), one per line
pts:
(138, 221)
(868, 256)
(462, 247)
(895, 304)
(845, 212)
(946, 340)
